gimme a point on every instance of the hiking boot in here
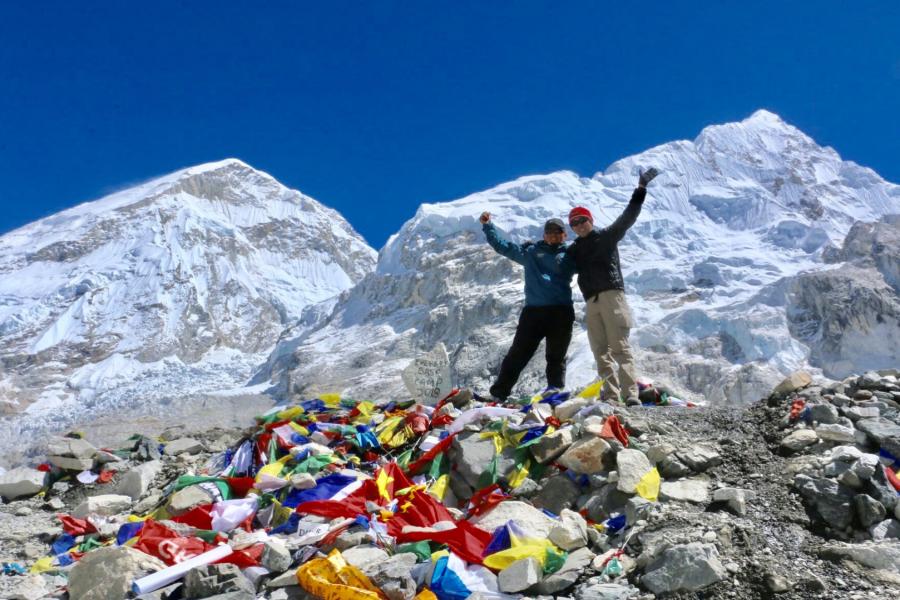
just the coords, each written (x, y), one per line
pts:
(632, 401)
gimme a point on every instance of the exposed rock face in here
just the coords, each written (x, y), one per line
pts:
(850, 316)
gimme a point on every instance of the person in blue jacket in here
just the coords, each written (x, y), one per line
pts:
(548, 313)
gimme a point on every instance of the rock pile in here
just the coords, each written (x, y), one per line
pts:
(556, 496)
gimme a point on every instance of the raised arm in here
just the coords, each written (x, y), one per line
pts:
(621, 225)
(501, 245)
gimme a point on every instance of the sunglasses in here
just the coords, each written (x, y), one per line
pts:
(578, 221)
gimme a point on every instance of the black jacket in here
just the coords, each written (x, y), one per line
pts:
(596, 255)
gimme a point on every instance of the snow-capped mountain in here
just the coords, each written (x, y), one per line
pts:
(178, 284)
(711, 268)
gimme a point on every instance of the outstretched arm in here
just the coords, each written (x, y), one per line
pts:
(499, 243)
(621, 225)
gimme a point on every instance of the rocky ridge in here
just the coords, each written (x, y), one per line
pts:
(791, 497)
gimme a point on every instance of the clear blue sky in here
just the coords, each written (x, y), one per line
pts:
(375, 107)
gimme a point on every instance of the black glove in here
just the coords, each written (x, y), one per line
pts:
(647, 176)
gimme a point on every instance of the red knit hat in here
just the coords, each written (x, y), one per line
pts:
(580, 211)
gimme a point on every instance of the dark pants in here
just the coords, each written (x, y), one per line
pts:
(536, 323)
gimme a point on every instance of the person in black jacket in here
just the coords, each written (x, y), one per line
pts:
(595, 256)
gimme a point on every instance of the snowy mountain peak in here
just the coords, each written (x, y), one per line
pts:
(196, 272)
(735, 214)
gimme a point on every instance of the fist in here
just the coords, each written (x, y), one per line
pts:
(647, 176)
(485, 218)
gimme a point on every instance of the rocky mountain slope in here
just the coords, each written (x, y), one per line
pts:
(725, 270)
(793, 497)
(183, 283)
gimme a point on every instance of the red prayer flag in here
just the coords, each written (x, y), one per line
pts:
(74, 526)
(612, 429)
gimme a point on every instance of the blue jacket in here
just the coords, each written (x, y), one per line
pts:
(548, 281)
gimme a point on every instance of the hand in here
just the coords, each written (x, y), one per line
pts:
(485, 218)
(647, 176)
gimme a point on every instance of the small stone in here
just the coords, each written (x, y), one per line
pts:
(275, 556)
(736, 499)
(887, 529)
(866, 467)
(303, 481)
(55, 503)
(520, 575)
(656, 454)
(23, 511)
(868, 510)
(777, 584)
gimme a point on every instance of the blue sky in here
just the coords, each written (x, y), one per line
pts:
(375, 107)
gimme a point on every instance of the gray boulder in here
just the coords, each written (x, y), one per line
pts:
(558, 493)
(699, 458)
(830, 499)
(107, 573)
(135, 482)
(520, 575)
(631, 465)
(551, 446)
(799, 439)
(472, 455)
(868, 510)
(212, 580)
(685, 490)
(184, 446)
(104, 504)
(883, 432)
(568, 574)
(606, 591)
(21, 482)
(571, 531)
(392, 576)
(686, 567)
(586, 456)
(529, 518)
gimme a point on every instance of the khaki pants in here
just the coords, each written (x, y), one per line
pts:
(608, 321)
